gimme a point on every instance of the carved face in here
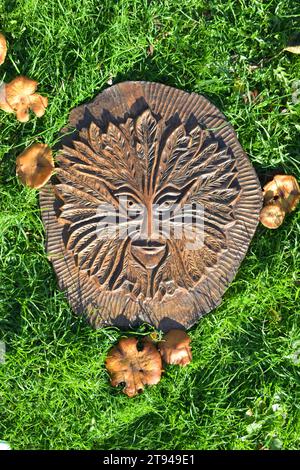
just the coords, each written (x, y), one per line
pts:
(124, 193)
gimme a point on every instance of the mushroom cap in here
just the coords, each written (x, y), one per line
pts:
(285, 189)
(175, 348)
(19, 96)
(3, 48)
(134, 367)
(34, 166)
(38, 104)
(272, 215)
(3, 103)
(18, 89)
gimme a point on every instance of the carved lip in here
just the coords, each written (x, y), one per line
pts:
(152, 246)
(148, 253)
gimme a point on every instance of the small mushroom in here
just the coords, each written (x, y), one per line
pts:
(134, 365)
(19, 96)
(284, 189)
(272, 215)
(175, 348)
(3, 48)
(34, 166)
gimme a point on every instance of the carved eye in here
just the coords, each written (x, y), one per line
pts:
(127, 202)
(132, 205)
(166, 205)
(132, 208)
(166, 198)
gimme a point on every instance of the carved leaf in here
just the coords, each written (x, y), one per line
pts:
(146, 129)
(174, 148)
(94, 136)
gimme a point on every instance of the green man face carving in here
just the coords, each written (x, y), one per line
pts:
(123, 193)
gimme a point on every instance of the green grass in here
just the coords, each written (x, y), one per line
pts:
(242, 389)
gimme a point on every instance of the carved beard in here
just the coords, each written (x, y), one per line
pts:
(148, 163)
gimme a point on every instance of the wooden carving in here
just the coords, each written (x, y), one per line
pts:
(152, 208)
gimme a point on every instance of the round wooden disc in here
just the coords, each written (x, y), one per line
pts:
(143, 158)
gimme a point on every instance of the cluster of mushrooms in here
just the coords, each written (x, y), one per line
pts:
(35, 165)
(131, 362)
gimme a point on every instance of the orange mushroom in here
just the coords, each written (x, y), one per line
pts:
(19, 96)
(272, 215)
(34, 166)
(284, 189)
(134, 366)
(3, 48)
(175, 348)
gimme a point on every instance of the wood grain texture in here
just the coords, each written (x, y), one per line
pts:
(148, 144)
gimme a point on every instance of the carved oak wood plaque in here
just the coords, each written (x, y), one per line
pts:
(152, 207)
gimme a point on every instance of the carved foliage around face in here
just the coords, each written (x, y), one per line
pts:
(122, 194)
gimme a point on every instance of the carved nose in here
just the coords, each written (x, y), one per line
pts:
(147, 230)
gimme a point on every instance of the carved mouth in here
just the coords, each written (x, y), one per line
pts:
(148, 246)
(148, 253)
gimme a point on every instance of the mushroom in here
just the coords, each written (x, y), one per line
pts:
(272, 215)
(134, 365)
(284, 189)
(3, 48)
(175, 348)
(19, 96)
(34, 166)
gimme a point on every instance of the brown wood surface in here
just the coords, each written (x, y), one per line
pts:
(153, 144)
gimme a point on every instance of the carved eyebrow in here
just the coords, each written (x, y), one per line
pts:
(167, 198)
(127, 191)
(168, 192)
